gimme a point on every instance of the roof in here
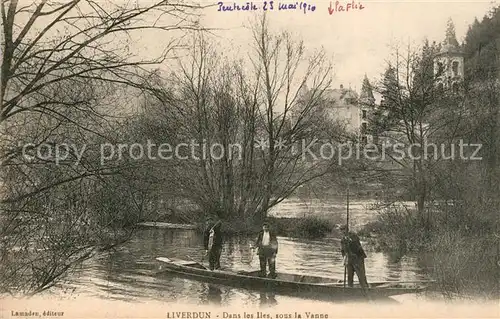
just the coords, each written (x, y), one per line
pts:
(341, 97)
(450, 49)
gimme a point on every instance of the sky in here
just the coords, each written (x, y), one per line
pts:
(359, 41)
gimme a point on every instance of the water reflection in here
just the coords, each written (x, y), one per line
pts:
(211, 294)
(267, 299)
(132, 273)
(395, 268)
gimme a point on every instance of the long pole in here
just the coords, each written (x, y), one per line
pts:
(347, 223)
(346, 232)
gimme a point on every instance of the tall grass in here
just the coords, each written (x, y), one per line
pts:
(311, 227)
(461, 243)
(465, 265)
(307, 227)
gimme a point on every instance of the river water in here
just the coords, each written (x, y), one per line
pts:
(131, 273)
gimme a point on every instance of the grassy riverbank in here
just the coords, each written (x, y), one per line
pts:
(312, 227)
(460, 242)
(304, 227)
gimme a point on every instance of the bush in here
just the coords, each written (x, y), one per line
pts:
(399, 230)
(464, 262)
(313, 227)
(465, 265)
(306, 227)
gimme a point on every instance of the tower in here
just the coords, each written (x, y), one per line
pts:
(449, 62)
(367, 104)
(366, 97)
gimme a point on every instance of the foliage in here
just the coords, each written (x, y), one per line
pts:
(464, 262)
(306, 227)
(239, 107)
(412, 112)
(65, 67)
(457, 199)
(482, 48)
(465, 265)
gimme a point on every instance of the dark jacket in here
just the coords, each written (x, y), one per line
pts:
(273, 243)
(217, 236)
(351, 245)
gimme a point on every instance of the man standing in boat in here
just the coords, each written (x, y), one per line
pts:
(354, 257)
(267, 245)
(212, 241)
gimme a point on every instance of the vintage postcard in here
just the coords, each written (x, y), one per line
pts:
(274, 159)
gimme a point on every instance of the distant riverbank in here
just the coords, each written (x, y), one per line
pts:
(295, 217)
(307, 227)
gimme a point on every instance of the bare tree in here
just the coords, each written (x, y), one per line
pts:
(415, 112)
(79, 41)
(286, 104)
(258, 114)
(66, 73)
(62, 213)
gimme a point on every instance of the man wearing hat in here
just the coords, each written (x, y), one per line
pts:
(354, 257)
(267, 245)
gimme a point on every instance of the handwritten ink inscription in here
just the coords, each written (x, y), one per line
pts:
(350, 6)
(249, 6)
(267, 6)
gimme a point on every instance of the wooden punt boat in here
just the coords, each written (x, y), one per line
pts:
(297, 285)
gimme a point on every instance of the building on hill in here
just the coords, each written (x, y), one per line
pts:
(341, 106)
(449, 62)
(350, 109)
